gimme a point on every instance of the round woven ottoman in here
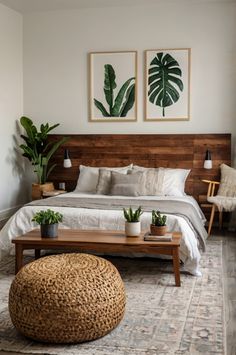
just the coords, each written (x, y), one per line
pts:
(67, 298)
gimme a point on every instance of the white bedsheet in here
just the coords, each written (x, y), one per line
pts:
(83, 218)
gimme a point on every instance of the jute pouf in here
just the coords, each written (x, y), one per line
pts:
(67, 298)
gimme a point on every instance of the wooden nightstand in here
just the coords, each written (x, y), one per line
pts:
(53, 193)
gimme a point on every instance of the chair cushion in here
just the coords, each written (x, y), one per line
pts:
(223, 202)
(228, 181)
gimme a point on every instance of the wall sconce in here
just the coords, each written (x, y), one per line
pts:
(208, 161)
(67, 162)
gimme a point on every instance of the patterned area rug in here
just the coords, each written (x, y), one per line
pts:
(160, 318)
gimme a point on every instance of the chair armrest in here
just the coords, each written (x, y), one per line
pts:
(211, 187)
(211, 181)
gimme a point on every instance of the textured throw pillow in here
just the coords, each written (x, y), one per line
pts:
(104, 181)
(151, 180)
(227, 181)
(164, 181)
(88, 177)
(125, 185)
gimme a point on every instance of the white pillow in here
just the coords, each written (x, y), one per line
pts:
(88, 177)
(174, 181)
(171, 182)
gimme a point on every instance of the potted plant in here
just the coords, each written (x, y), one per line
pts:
(158, 226)
(132, 223)
(39, 152)
(48, 221)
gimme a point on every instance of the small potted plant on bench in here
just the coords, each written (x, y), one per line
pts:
(48, 221)
(158, 226)
(132, 223)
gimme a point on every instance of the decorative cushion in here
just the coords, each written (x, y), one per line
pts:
(151, 181)
(88, 177)
(104, 181)
(228, 181)
(125, 185)
(164, 181)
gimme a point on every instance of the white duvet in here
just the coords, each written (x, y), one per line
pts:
(83, 218)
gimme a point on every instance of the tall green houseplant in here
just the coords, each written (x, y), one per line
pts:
(37, 149)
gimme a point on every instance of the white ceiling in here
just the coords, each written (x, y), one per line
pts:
(25, 6)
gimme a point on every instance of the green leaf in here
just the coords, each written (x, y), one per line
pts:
(119, 98)
(52, 127)
(36, 149)
(164, 71)
(132, 216)
(50, 170)
(126, 215)
(30, 129)
(158, 219)
(100, 106)
(109, 84)
(129, 101)
(55, 147)
(45, 159)
(47, 217)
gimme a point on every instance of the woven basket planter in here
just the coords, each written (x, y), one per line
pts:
(67, 298)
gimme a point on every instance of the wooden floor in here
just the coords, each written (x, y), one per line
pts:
(229, 265)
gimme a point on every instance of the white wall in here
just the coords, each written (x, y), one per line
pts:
(11, 108)
(55, 62)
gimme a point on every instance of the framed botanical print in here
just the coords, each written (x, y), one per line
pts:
(167, 85)
(113, 86)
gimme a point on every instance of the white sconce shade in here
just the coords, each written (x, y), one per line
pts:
(208, 161)
(67, 162)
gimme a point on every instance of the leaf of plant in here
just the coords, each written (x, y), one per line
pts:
(109, 84)
(55, 147)
(129, 101)
(164, 71)
(50, 170)
(126, 214)
(119, 98)
(30, 129)
(130, 214)
(48, 129)
(100, 106)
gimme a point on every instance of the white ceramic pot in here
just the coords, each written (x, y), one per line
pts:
(132, 229)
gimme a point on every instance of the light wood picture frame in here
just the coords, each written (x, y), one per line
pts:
(167, 84)
(113, 86)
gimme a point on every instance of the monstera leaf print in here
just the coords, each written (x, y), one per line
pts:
(164, 81)
(124, 99)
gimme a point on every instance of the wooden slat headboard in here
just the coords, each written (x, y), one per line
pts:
(151, 150)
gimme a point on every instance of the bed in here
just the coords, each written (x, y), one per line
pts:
(103, 218)
(90, 210)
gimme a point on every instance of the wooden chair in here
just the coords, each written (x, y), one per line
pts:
(219, 201)
(211, 191)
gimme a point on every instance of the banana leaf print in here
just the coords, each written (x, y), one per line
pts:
(164, 81)
(123, 102)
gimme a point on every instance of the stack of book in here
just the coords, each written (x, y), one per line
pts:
(158, 238)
